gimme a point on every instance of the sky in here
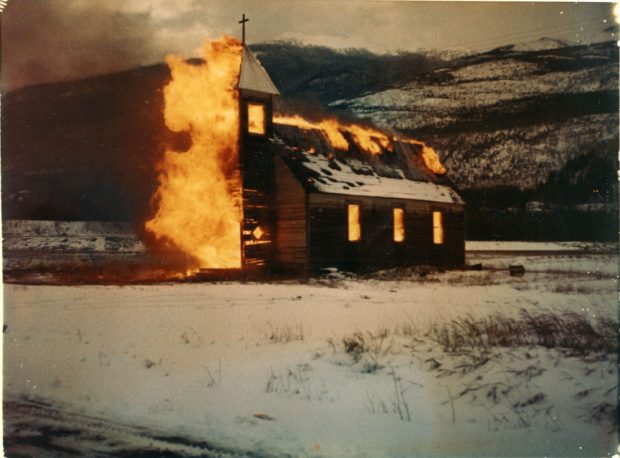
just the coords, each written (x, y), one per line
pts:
(52, 40)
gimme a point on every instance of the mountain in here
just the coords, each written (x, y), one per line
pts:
(327, 74)
(507, 118)
(529, 134)
(544, 43)
(445, 55)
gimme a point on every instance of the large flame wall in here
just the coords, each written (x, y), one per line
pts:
(198, 201)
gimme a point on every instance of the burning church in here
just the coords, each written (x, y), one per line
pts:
(264, 192)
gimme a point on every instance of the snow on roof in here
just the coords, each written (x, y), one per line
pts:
(346, 181)
(324, 170)
(253, 75)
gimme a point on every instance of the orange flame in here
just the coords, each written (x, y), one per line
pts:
(429, 156)
(431, 159)
(364, 137)
(368, 139)
(329, 126)
(199, 195)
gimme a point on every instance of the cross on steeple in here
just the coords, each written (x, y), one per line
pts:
(242, 22)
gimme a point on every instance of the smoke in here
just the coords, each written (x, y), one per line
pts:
(56, 40)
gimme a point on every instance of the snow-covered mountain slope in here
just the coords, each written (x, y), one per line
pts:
(540, 44)
(508, 117)
(447, 54)
(525, 156)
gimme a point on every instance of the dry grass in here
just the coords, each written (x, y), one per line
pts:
(284, 333)
(571, 288)
(570, 331)
(366, 348)
(496, 364)
(476, 278)
(573, 333)
(297, 382)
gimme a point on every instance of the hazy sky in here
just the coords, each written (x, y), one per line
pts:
(48, 40)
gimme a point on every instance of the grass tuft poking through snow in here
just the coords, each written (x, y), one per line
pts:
(568, 331)
(367, 348)
(285, 333)
(496, 365)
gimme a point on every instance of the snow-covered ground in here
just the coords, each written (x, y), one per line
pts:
(335, 366)
(532, 247)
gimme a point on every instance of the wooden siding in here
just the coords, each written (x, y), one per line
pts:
(454, 230)
(291, 247)
(329, 245)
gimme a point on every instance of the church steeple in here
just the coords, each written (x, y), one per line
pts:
(253, 76)
(256, 91)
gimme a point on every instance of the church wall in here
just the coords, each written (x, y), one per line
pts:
(290, 214)
(328, 233)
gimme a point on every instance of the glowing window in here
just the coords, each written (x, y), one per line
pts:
(256, 118)
(355, 230)
(437, 228)
(399, 225)
(258, 233)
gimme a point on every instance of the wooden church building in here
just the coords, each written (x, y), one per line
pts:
(309, 206)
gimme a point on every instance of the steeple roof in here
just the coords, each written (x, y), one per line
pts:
(253, 75)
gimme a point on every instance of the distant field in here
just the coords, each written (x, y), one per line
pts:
(38, 251)
(516, 246)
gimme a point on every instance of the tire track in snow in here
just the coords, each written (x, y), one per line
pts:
(37, 428)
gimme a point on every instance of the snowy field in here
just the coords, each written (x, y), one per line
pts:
(393, 364)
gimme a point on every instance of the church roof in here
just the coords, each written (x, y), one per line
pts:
(253, 75)
(400, 173)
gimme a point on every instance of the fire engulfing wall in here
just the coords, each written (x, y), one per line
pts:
(198, 200)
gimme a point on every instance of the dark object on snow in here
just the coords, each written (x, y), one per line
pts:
(434, 363)
(475, 266)
(4, 328)
(207, 275)
(264, 416)
(517, 271)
